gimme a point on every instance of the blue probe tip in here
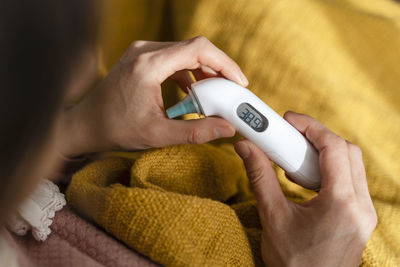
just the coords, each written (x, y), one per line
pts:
(183, 107)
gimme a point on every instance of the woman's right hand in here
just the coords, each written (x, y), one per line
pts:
(331, 229)
(125, 111)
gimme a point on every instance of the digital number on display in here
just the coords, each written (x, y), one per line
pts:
(252, 117)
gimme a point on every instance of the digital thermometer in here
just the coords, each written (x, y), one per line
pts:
(256, 121)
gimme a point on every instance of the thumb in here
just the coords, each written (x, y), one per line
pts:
(196, 131)
(261, 175)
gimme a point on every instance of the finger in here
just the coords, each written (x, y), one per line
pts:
(333, 155)
(141, 46)
(205, 72)
(357, 170)
(199, 74)
(193, 53)
(183, 78)
(195, 131)
(261, 175)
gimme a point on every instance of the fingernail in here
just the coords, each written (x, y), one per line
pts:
(243, 79)
(222, 132)
(242, 149)
(208, 70)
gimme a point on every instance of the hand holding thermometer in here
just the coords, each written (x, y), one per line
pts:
(256, 121)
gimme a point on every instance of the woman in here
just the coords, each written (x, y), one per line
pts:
(47, 115)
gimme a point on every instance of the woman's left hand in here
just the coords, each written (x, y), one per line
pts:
(126, 112)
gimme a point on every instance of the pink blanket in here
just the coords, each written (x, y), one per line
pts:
(74, 242)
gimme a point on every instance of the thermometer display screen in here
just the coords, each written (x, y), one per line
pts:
(252, 117)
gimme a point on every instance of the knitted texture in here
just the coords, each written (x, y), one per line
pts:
(338, 61)
(167, 208)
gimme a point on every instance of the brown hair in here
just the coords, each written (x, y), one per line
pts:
(39, 41)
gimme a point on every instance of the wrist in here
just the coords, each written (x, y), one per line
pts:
(80, 132)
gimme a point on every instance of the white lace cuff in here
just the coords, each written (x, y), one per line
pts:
(37, 211)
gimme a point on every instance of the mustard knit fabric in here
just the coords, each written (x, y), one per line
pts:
(336, 60)
(166, 207)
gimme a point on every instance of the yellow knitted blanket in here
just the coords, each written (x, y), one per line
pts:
(338, 61)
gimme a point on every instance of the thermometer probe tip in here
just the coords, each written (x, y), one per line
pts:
(183, 107)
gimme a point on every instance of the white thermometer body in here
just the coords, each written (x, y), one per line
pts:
(256, 121)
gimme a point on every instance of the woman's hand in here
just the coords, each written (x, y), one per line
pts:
(330, 229)
(126, 112)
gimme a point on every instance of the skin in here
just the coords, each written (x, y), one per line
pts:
(126, 112)
(331, 229)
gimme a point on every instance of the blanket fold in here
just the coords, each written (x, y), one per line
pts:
(336, 60)
(169, 210)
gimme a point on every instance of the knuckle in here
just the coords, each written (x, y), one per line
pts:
(195, 136)
(332, 140)
(353, 218)
(370, 221)
(345, 198)
(274, 216)
(355, 149)
(199, 40)
(351, 215)
(255, 175)
(336, 141)
(150, 137)
(372, 218)
(346, 201)
(137, 44)
(342, 194)
(141, 60)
